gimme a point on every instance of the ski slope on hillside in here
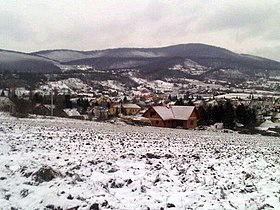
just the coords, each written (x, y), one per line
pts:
(128, 167)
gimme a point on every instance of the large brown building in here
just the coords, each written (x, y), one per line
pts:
(173, 116)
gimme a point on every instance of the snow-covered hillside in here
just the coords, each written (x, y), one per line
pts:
(70, 85)
(71, 55)
(22, 62)
(113, 85)
(103, 166)
(63, 55)
(10, 57)
(190, 67)
(155, 84)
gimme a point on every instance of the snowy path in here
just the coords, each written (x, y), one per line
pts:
(125, 167)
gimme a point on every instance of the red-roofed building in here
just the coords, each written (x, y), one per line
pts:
(173, 116)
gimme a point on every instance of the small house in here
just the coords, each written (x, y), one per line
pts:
(114, 110)
(212, 103)
(172, 117)
(277, 104)
(276, 117)
(100, 113)
(43, 109)
(73, 114)
(7, 105)
(130, 109)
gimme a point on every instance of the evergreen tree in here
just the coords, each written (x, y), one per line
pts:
(242, 114)
(23, 107)
(37, 98)
(170, 97)
(125, 100)
(179, 102)
(252, 117)
(229, 116)
(190, 103)
(217, 113)
(187, 95)
(245, 115)
(204, 116)
(210, 114)
(67, 102)
(79, 102)
(108, 105)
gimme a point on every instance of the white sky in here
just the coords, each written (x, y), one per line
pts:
(243, 26)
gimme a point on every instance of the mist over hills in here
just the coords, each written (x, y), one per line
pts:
(149, 59)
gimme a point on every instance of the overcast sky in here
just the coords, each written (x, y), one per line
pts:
(243, 26)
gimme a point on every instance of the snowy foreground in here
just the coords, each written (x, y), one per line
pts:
(104, 166)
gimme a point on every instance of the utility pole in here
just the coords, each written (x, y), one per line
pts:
(51, 89)
(51, 102)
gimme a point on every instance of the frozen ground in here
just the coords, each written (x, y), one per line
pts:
(105, 166)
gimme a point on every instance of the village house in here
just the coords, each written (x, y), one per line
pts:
(262, 107)
(102, 101)
(173, 116)
(7, 105)
(199, 103)
(43, 109)
(276, 117)
(99, 113)
(114, 110)
(130, 109)
(268, 105)
(256, 104)
(212, 103)
(277, 104)
(72, 113)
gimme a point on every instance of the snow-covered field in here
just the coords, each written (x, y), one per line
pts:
(105, 166)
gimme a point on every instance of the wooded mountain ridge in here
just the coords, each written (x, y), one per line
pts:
(150, 60)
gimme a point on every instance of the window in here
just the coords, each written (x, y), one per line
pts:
(157, 122)
(191, 122)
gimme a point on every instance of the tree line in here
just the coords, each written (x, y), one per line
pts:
(227, 114)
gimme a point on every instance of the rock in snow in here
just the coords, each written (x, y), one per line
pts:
(45, 174)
